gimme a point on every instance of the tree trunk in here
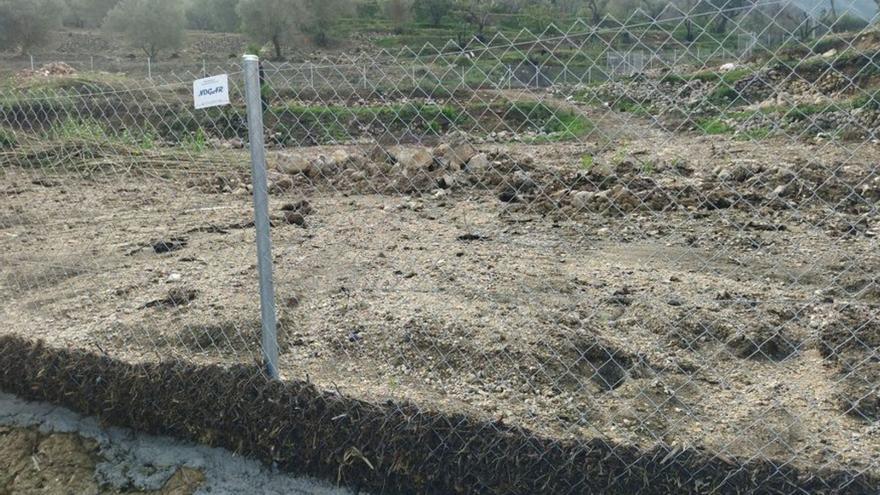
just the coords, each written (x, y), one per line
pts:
(276, 43)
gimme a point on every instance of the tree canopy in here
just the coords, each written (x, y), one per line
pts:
(150, 25)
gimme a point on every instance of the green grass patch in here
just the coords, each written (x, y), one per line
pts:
(7, 139)
(804, 111)
(558, 124)
(587, 162)
(714, 126)
(755, 134)
(298, 123)
(629, 105)
(869, 101)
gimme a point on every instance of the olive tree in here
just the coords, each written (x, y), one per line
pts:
(87, 13)
(26, 24)
(275, 21)
(321, 16)
(399, 12)
(478, 13)
(212, 15)
(150, 25)
(433, 11)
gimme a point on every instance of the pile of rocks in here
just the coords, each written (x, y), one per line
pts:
(400, 169)
(54, 69)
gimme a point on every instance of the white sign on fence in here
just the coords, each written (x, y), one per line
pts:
(211, 91)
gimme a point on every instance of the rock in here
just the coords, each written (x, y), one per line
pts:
(523, 181)
(178, 296)
(379, 154)
(455, 155)
(735, 173)
(279, 183)
(830, 53)
(301, 206)
(448, 181)
(478, 164)
(443, 153)
(169, 245)
(294, 218)
(340, 159)
(508, 195)
(780, 191)
(623, 199)
(293, 164)
(413, 159)
(581, 199)
(727, 67)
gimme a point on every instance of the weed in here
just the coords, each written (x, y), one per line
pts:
(619, 156)
(587, 162)
(196, 142)
(78, 129)
(7, 139)
(755, 134)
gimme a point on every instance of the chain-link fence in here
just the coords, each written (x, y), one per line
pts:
(541, 266)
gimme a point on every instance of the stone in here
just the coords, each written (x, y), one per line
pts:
(447, 181)
(456, 154)
(340, 159)
(293, 164)
(294, 218)
(279, 183)
(581, 199)
(178, 296)
(169, 245)
(478, 164)
(379, 154)
(523, 181)
(412, 159)
(301, 206)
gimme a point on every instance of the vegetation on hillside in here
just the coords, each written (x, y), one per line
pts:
(279, 24)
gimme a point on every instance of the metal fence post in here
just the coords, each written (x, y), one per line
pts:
(261, 212)
(149, 68)
(32, 63)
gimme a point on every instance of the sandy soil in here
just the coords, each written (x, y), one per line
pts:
(718, 294)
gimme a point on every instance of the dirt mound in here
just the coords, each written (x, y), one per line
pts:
(54, 69)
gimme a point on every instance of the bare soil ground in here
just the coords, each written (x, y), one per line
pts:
(697, 291)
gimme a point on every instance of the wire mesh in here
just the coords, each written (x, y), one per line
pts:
(595, 235)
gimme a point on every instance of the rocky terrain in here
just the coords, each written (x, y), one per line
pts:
(664, 275)
(633, 296)
(831, 95)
